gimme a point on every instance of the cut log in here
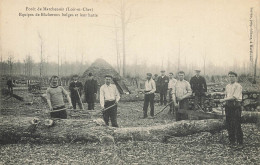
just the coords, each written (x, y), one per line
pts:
(13, 129)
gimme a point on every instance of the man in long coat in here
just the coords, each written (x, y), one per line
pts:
(199, 88)
(90, 89)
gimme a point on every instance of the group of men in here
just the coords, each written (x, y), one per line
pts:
(179, 91)
(109, 97)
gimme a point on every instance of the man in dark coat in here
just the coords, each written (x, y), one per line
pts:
(75, 92)
(90, 89)
(163, 81)
(199, 88)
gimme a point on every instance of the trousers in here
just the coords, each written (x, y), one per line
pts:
(163, 97)
(74, 101)
(233, 122)
(148, 99)
(110, 114)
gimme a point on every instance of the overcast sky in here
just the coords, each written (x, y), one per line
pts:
(217, 28)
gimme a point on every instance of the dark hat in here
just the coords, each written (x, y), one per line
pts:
(90, 74)
(149, 74)
(75, 75)
(197, 70)
(108, 76)
(171, 73)
(162, 71)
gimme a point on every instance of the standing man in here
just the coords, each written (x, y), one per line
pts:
(180, 93)
(75, 91)
(199, 88)
(155, 78)
(90, 89)
(172, 82)
(55, 100)
(163, 81)
(233, 98)
(10, 85)
(150, 88)
(109, 96)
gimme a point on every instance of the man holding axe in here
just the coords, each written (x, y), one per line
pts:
(150, 88)
(109, 97)
(180, 93)
(75, 92)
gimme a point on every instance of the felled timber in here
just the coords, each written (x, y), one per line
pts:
(13, 130)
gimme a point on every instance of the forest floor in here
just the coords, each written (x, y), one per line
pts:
(201, 148)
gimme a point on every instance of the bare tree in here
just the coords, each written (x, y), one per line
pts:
(204, 62)
(28, 65)
(10, 62)
(41, 54)
(256, 56)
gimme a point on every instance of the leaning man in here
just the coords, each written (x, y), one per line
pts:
(233, 98)
(109, 97)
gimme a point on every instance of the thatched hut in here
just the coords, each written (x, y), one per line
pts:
(99, 69)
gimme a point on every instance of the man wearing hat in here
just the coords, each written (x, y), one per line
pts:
(150, 88)
(109, 96)
(90, 89)
(163, 81)
(75, 91)
(199, 88)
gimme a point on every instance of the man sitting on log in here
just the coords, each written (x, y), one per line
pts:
(75, 91)
(55, 98)
(109, 97)
(233, 98)
(150, 88)
(180, 94)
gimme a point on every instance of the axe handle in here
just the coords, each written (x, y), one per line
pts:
(163, 108)
(103, 110)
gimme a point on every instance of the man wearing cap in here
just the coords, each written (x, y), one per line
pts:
(150, 88)
(109, 97)
(90, 89)
(180, 93)
(199, 88)
(75, 91)
(171, 84)
(233, 99)
(163, 81)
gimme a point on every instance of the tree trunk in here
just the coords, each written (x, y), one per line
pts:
(13, 130)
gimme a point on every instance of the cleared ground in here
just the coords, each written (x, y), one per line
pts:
(202, 148)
